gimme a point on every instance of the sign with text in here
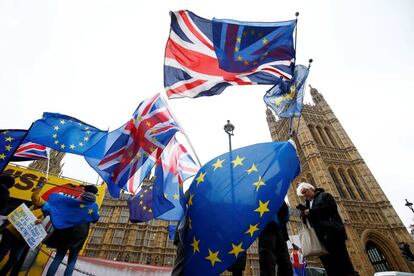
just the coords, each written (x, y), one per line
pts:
(24, 222)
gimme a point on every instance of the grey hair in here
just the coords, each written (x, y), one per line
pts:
(303, 185)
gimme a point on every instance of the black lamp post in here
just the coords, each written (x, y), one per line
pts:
(409, 205)
(228, 128)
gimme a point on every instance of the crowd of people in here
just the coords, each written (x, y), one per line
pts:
(69, 232)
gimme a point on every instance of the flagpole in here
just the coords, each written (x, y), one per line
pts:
(48, 164)
(182, 130)
(296, 32)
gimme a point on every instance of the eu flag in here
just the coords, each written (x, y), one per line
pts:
(286, 97)
(10, 139)
(67, 211)
(141, 205)
(231, 200)
(64, 133)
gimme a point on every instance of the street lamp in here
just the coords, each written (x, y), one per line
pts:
(228, 128)
(409, 205)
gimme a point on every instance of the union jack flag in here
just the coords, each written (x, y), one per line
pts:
(203, 57)
(125, 156)
(30, 151)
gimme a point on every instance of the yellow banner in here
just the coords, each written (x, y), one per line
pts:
(27, 180)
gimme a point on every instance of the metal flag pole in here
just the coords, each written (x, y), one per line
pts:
(296, 32)
(182, 129)
(300, 116)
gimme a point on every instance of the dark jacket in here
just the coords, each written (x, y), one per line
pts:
(325, 219)
(69, 238)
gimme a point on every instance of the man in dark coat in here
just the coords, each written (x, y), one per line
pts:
(321, 211)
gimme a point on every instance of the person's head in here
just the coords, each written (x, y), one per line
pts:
(91, 188)
(306, 190)
(295, 247)
(89, 193)
(7, 181)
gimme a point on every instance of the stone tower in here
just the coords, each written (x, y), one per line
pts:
(55, 163)
(330, 161)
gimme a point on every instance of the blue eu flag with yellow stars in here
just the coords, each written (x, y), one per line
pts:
(231, 200)
(286, 97)
(10, 139)
(67, 211)
(64, 133)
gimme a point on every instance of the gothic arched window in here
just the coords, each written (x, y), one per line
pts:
(346, 183)
(336, 182)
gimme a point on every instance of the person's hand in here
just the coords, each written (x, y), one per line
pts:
(38, 221)
(306, 212)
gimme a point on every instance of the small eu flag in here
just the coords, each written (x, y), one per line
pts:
(64, 133)
(286, 97)
(10, 139)
(231, 200)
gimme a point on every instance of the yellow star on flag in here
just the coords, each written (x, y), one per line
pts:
(56, 142)
(54, 135)
(62, 146)
(82, 206)
(259, 183)
(252, 229)
(253, 168)
(195, 245)
(3, 156)
(265, 40)
(72, 146)
(218, 164)
(8, 147)
(200, 178)
(90, 211)
(62, 122)
(56, 128)
(236, 249)
(9, 139)
(239, 39)
(141, 202)
(262, 207)
(238, 161)
(81, 144)
(165, 195)
(190, 200)
(213, 257)
(176, 196)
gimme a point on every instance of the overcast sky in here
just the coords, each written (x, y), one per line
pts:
(97, 60)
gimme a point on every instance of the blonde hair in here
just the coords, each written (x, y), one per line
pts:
(303, 185)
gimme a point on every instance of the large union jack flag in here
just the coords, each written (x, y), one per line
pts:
(30, 151)
(125, 156)
(203, 57)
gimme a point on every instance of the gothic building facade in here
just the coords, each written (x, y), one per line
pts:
(330, 161)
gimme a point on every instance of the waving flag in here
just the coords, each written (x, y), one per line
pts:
(175, 166)
(203, 57)
(67, 211)
(231, 200)
(10, 139)
(124, 157)
(286, 97)
(30, 151)
(64, 133)
(165, 199)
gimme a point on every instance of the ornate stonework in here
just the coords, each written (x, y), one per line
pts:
(331, 161)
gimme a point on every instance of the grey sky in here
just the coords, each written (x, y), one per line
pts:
(96, 60)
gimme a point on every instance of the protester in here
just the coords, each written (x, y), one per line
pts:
(71, 219)
(14, 243)
(272, 245)
(321, 211)
(6, 182)
(298, 261)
